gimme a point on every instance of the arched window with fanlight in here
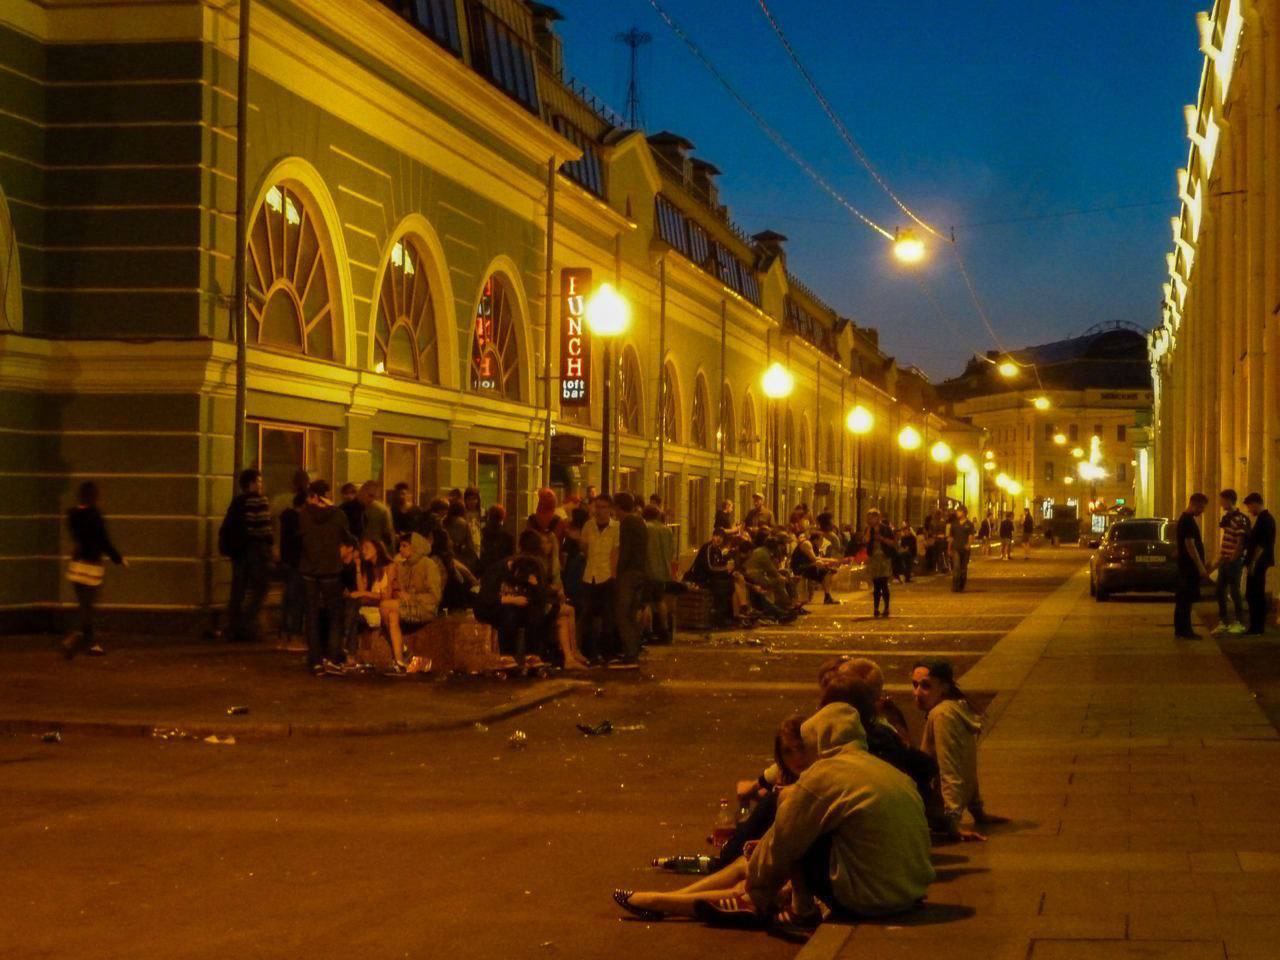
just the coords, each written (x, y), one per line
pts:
(495, 352)
(630, 405)
(750, 432)
(670, 424)
(698, 432)
(727, 434)
(292, 288)
(404, 334)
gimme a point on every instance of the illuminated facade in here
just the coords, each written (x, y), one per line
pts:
(1215, 356)
(407, 163)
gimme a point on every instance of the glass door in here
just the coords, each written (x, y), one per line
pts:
(495, 474)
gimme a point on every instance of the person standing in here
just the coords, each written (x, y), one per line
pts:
(961, 536)
(1028, 528)
(600, 543)
(377, 524)
(881, 547)
(1261, 557)
(1006, 537)
(90, 543)
(353, 509)
(661, 562)
(1235, 531)
(245, 538)
(404, 513)
(322, 528)
(1191, 566)
(908, 551)
(759, 515)
(632, 578)
(984, 534)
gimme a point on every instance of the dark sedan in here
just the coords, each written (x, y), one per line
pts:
(1133, 556)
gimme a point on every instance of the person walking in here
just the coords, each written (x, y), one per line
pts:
(322, 528)
(1192, 570)
(90, 543)
(246, 539)
(1235, 531)
(1006, 537)
(961, 536)
(632, 579)
(1260, 553)
(1028, 528)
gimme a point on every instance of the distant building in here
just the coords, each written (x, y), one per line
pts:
(1071, 425)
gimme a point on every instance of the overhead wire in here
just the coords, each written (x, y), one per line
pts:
(859, 154)
(778, 139)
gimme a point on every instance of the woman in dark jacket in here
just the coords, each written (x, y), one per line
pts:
(496, 543)
(90, 543)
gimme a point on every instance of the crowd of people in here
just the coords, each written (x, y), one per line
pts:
(842, 821)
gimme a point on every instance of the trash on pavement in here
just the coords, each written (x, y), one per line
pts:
(53, 736)
(220, 741)
(171, 733)
(479, 727)
(237, 711)
(518, 740)
(629, 727)
(599, 691)
(602, 729)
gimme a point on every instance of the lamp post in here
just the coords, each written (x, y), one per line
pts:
(941, 454)
(909, 439)
(859, 421)
(607, 317)
(964, 466)
(777, 384)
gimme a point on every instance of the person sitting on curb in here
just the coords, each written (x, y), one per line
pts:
(950, 737)
(418, 589)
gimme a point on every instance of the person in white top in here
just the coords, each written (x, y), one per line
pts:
(600, 542)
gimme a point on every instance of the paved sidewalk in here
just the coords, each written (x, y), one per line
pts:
(1143, 780)
(138, 688)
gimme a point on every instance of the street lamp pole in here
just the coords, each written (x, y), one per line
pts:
(607, 317)
(605, 390)
(859, 421)
(777, 384)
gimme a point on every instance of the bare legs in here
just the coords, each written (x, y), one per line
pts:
(729, 882)
(391, 617)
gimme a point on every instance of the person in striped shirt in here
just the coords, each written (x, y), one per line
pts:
(1234, 527)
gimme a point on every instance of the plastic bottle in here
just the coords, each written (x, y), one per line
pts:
(725, 827)
(685, 864)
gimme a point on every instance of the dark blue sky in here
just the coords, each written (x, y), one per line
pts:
(975, 111)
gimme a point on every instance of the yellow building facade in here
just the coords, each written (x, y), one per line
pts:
(1215, 356)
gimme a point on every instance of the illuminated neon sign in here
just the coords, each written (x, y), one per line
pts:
(575, 341)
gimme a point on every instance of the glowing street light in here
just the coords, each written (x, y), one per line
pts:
(1013, 488)
(989, 465)
(608, 316)
(1068, 480)
(777, 382)
(1003, 481)
(908, 248)
(1077, 453)
(1041, 403)
(859, 422)
(964, 463)
(909, 438)
(941, 452)
(1007, 369)
(1060, 439)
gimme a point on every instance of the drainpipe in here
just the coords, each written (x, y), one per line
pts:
(547, 315)
(662, 374)
(724, 308)
(239, 311)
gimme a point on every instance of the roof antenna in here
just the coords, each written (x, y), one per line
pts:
(634, 39)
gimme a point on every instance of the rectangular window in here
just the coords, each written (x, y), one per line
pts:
(685, 235)
(405, 460)
(628, 479)
(495, 474)
(699, 529)
(1073, 432)
(502, 56)
(1097, 430)
(588, 172)
(1048, 471)
(1122, 472)
(279, 450)
(438, 19)
(1120, 433)
(1048, 431)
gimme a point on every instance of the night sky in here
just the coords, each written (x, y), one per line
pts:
(974, 110)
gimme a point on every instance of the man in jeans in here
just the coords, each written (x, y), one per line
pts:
(1261, 554)
(1191, 566)
(632, 582)
(323, 530)
(600, 543)
(1235, 530)
(246, 539)
(961, 535)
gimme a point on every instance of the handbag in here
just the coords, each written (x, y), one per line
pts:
(372, 617)
(85, 574)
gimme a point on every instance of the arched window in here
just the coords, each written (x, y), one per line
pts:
(630, 407)
(495, 354)
(10, 274)
(292, 289)
(405, 332)
(802, 445)
(670, 405)
(750, 433)
(698, 414)
(833, 455)
(727, 435)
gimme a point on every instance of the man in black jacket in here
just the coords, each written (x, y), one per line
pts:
(323, 528)
(1260, 556)
(246, 539)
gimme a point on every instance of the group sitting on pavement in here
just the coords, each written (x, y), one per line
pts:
(841, 824)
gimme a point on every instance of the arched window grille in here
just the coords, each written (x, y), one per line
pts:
(630, 412)
(495, 352)
(405, 331)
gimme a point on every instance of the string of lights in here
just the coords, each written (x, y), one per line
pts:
(779, 141)
(857, 151)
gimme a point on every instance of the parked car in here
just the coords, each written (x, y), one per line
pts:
(1134, 555)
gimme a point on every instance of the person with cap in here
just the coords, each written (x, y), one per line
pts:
(950, 737)
(1260, 556)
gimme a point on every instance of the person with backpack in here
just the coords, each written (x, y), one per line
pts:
(246, 539)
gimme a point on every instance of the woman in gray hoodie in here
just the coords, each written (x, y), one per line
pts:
(951, 730)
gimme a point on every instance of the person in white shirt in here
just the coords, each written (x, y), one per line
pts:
(600, 542)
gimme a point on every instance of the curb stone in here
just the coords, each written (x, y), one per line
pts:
(553, 690)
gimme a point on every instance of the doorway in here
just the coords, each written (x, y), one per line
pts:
(495, 473)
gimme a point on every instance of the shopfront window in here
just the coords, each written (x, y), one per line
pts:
(496, 474)
(698, 527)
(399, 460)
(279, 450)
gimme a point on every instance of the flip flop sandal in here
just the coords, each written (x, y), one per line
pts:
(623, 899)
(727, 912)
